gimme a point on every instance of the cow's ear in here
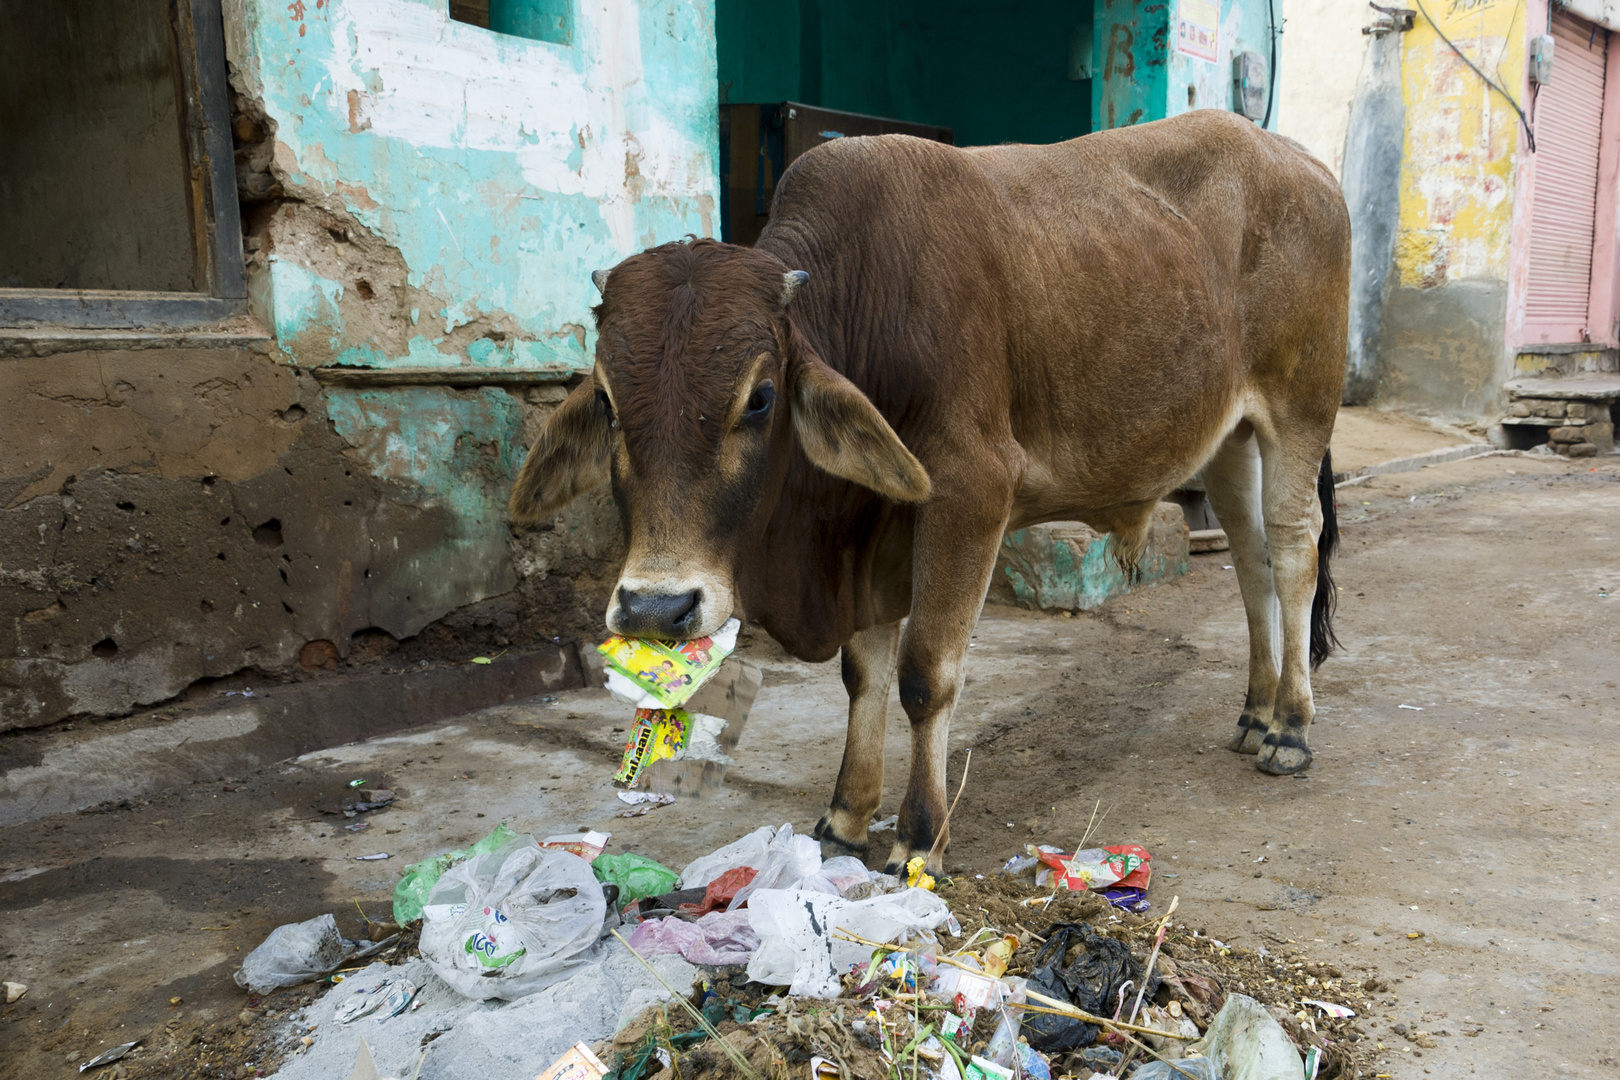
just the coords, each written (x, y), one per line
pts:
(570, 457)
(842, 432)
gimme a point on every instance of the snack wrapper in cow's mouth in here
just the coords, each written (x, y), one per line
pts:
(663, 674)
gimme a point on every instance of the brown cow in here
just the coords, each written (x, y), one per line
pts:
(830, 431)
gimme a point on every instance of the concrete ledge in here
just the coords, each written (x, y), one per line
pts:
(1067, 566)
(439, 376)
(59, 772)
(1416, 462)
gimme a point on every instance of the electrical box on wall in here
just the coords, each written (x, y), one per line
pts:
(1541, 59)
(1249, 85)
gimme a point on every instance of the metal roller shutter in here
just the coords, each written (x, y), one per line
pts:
(1568, 120)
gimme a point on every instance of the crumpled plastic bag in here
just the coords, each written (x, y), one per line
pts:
(789, 861)
(1092, 984)
(749, 851)
(635, 875)
(413, 889)
(795, 928)
(1244, 1042)
(510, 922)
(716, 940)
(1199, 1068)
(718, 894)
(294, 953)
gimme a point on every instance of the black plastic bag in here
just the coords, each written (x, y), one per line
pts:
(1091, 984)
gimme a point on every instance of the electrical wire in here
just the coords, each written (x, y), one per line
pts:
(1528, 132)
(1271, 69)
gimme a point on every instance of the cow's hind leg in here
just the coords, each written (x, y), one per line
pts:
(1291, 462)
(868, 670)
(1233, 480)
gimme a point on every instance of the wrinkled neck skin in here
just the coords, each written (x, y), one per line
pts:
(832, 558)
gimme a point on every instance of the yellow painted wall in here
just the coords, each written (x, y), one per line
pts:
(1462, 143)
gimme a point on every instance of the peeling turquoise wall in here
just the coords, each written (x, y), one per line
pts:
(502, 170)
(441, 194)
(1167, 57)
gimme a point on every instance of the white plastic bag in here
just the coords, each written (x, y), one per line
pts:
(789, 860)
(795, 927)
(749, 851)
(1244, 1042)
(513, 921)
(294, 953)
(842, 873)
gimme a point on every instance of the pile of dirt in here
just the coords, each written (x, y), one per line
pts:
(874, 1028)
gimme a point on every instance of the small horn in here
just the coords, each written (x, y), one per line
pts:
(791, 282)
(599, 279)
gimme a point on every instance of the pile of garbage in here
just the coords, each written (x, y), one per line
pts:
(804, 964)
(784, 963)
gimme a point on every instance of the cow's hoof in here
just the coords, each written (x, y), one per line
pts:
(900, 855)
(1249, 737)
(833, 845)
(1283, 755)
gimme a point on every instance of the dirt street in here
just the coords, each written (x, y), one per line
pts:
(1457, 832)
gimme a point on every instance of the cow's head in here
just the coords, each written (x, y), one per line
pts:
(701, 388)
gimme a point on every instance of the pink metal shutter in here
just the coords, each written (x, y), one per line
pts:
(1568, 120)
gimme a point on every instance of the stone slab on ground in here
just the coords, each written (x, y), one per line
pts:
(484, 1040)
(1068, 566)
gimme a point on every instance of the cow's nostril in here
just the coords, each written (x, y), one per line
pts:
(658, 614)
(683, 621)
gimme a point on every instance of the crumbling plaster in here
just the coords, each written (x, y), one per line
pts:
(180, 515)
(495, 172)
(1453, 240)
(417, 193)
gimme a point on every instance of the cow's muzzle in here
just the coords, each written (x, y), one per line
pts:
(657, 615)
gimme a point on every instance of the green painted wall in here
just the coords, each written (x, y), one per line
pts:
(995, 72)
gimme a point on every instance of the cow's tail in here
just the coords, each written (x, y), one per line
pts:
(1323, 642)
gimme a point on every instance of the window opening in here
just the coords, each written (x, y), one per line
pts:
(537, 20)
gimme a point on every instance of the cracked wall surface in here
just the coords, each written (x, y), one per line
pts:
(176, 516)
(417, 195)
(456, 187)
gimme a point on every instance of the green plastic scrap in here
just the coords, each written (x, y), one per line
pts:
(412, 891)
(635, 875)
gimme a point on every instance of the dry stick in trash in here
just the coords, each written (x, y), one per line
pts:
(1060, 1008)
(1091, 826)
(945, 826)
(1147, 976)
(731, 1051)
(1158, 943)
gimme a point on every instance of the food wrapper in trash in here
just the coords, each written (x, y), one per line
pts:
(578, 1064)
(587, 845)
(663, 674)
(1125, 865)
(656, 734)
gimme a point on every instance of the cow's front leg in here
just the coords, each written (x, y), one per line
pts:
(868, 669)
(952, 566)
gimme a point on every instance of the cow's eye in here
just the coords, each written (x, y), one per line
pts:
(760, 401)
(607, 407)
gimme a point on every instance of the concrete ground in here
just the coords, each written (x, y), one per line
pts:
(1481, 594)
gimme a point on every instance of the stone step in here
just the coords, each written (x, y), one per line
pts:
(1596, 387)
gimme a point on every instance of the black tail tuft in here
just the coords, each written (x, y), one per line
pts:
(1323, 642)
